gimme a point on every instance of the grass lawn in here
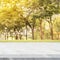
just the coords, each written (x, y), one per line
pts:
(29, 40)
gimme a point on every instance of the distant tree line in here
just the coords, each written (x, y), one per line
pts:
(42, 17)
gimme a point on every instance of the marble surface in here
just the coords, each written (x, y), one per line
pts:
(29, 49)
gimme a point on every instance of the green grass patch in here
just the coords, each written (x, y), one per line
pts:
(29, 40)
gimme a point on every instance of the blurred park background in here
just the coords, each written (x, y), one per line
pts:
(29, 19)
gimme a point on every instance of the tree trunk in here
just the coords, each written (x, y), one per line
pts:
(33, 25)
(16, 34)
(26, 30)
(33, 32)
(41, 30)
(7, 36)
(51, 28)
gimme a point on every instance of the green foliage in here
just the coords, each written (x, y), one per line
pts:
(57, 24)
(14, 14)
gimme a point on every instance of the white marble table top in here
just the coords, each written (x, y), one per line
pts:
(35, 49)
